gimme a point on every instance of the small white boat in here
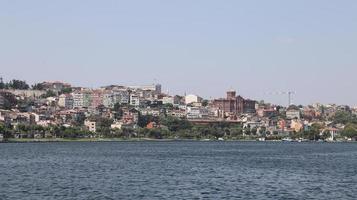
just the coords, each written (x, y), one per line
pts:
(287, 140)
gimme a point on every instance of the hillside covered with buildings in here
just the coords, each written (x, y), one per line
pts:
(61, 110)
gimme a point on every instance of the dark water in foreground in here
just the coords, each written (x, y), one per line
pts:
(178, 170)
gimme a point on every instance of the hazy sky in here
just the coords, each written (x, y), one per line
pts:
(193, 46)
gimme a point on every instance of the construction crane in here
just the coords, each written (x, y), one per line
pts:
(289, 93)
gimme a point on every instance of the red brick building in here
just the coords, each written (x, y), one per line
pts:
(249, 106)
(234, 104)
(231, 104)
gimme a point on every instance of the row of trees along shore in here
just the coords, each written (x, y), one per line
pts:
(170, 128)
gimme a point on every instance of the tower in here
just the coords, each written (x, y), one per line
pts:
(231, 94)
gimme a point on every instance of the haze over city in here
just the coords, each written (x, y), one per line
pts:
(199, 47)
(178, 99)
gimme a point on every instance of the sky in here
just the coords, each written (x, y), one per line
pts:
(203, 47)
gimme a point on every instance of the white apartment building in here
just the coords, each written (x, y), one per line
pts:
(175, 100)
(91, 125)
(154, 87)
(110, 98)
(81, 99)
(293, 114)
(121, 96)
(134, 100)
(197, 113)
(78, 100)
(66, 101)
(191, 98)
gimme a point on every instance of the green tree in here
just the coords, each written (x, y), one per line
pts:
(49, 93)
(168, 106)
(254, 131)
(66, 90)
(262, 130)
(205, 103)
(154, 133)
(314, 132)
(222, 125)
(10, 100)
(326, 134)
(2, 129)
(38, 86)
(118, 111)
(344, 117)
(79, 119)
(350, 130)
(175, 124)
(218, 133)
(237, 131)
(128, 132)
(247, 131)
(118, 133)
(103, 122)
(117, 107)
(18, 85)
(144, 120)
(2, 84)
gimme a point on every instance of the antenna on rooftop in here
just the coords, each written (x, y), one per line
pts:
(289, 93)
(291, 96)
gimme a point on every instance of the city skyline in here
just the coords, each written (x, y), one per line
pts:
(203, 47)
(287, 97)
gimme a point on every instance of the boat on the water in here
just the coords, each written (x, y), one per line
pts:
(287, 140)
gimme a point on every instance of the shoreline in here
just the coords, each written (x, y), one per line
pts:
(57, 140)
(12, 140)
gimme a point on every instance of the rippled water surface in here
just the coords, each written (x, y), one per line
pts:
(178, 170)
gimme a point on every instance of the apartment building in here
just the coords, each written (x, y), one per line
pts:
(96, 98)
(231, 104)
(66, 101)
(90, 125)
(134, 100)
(191, 98)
